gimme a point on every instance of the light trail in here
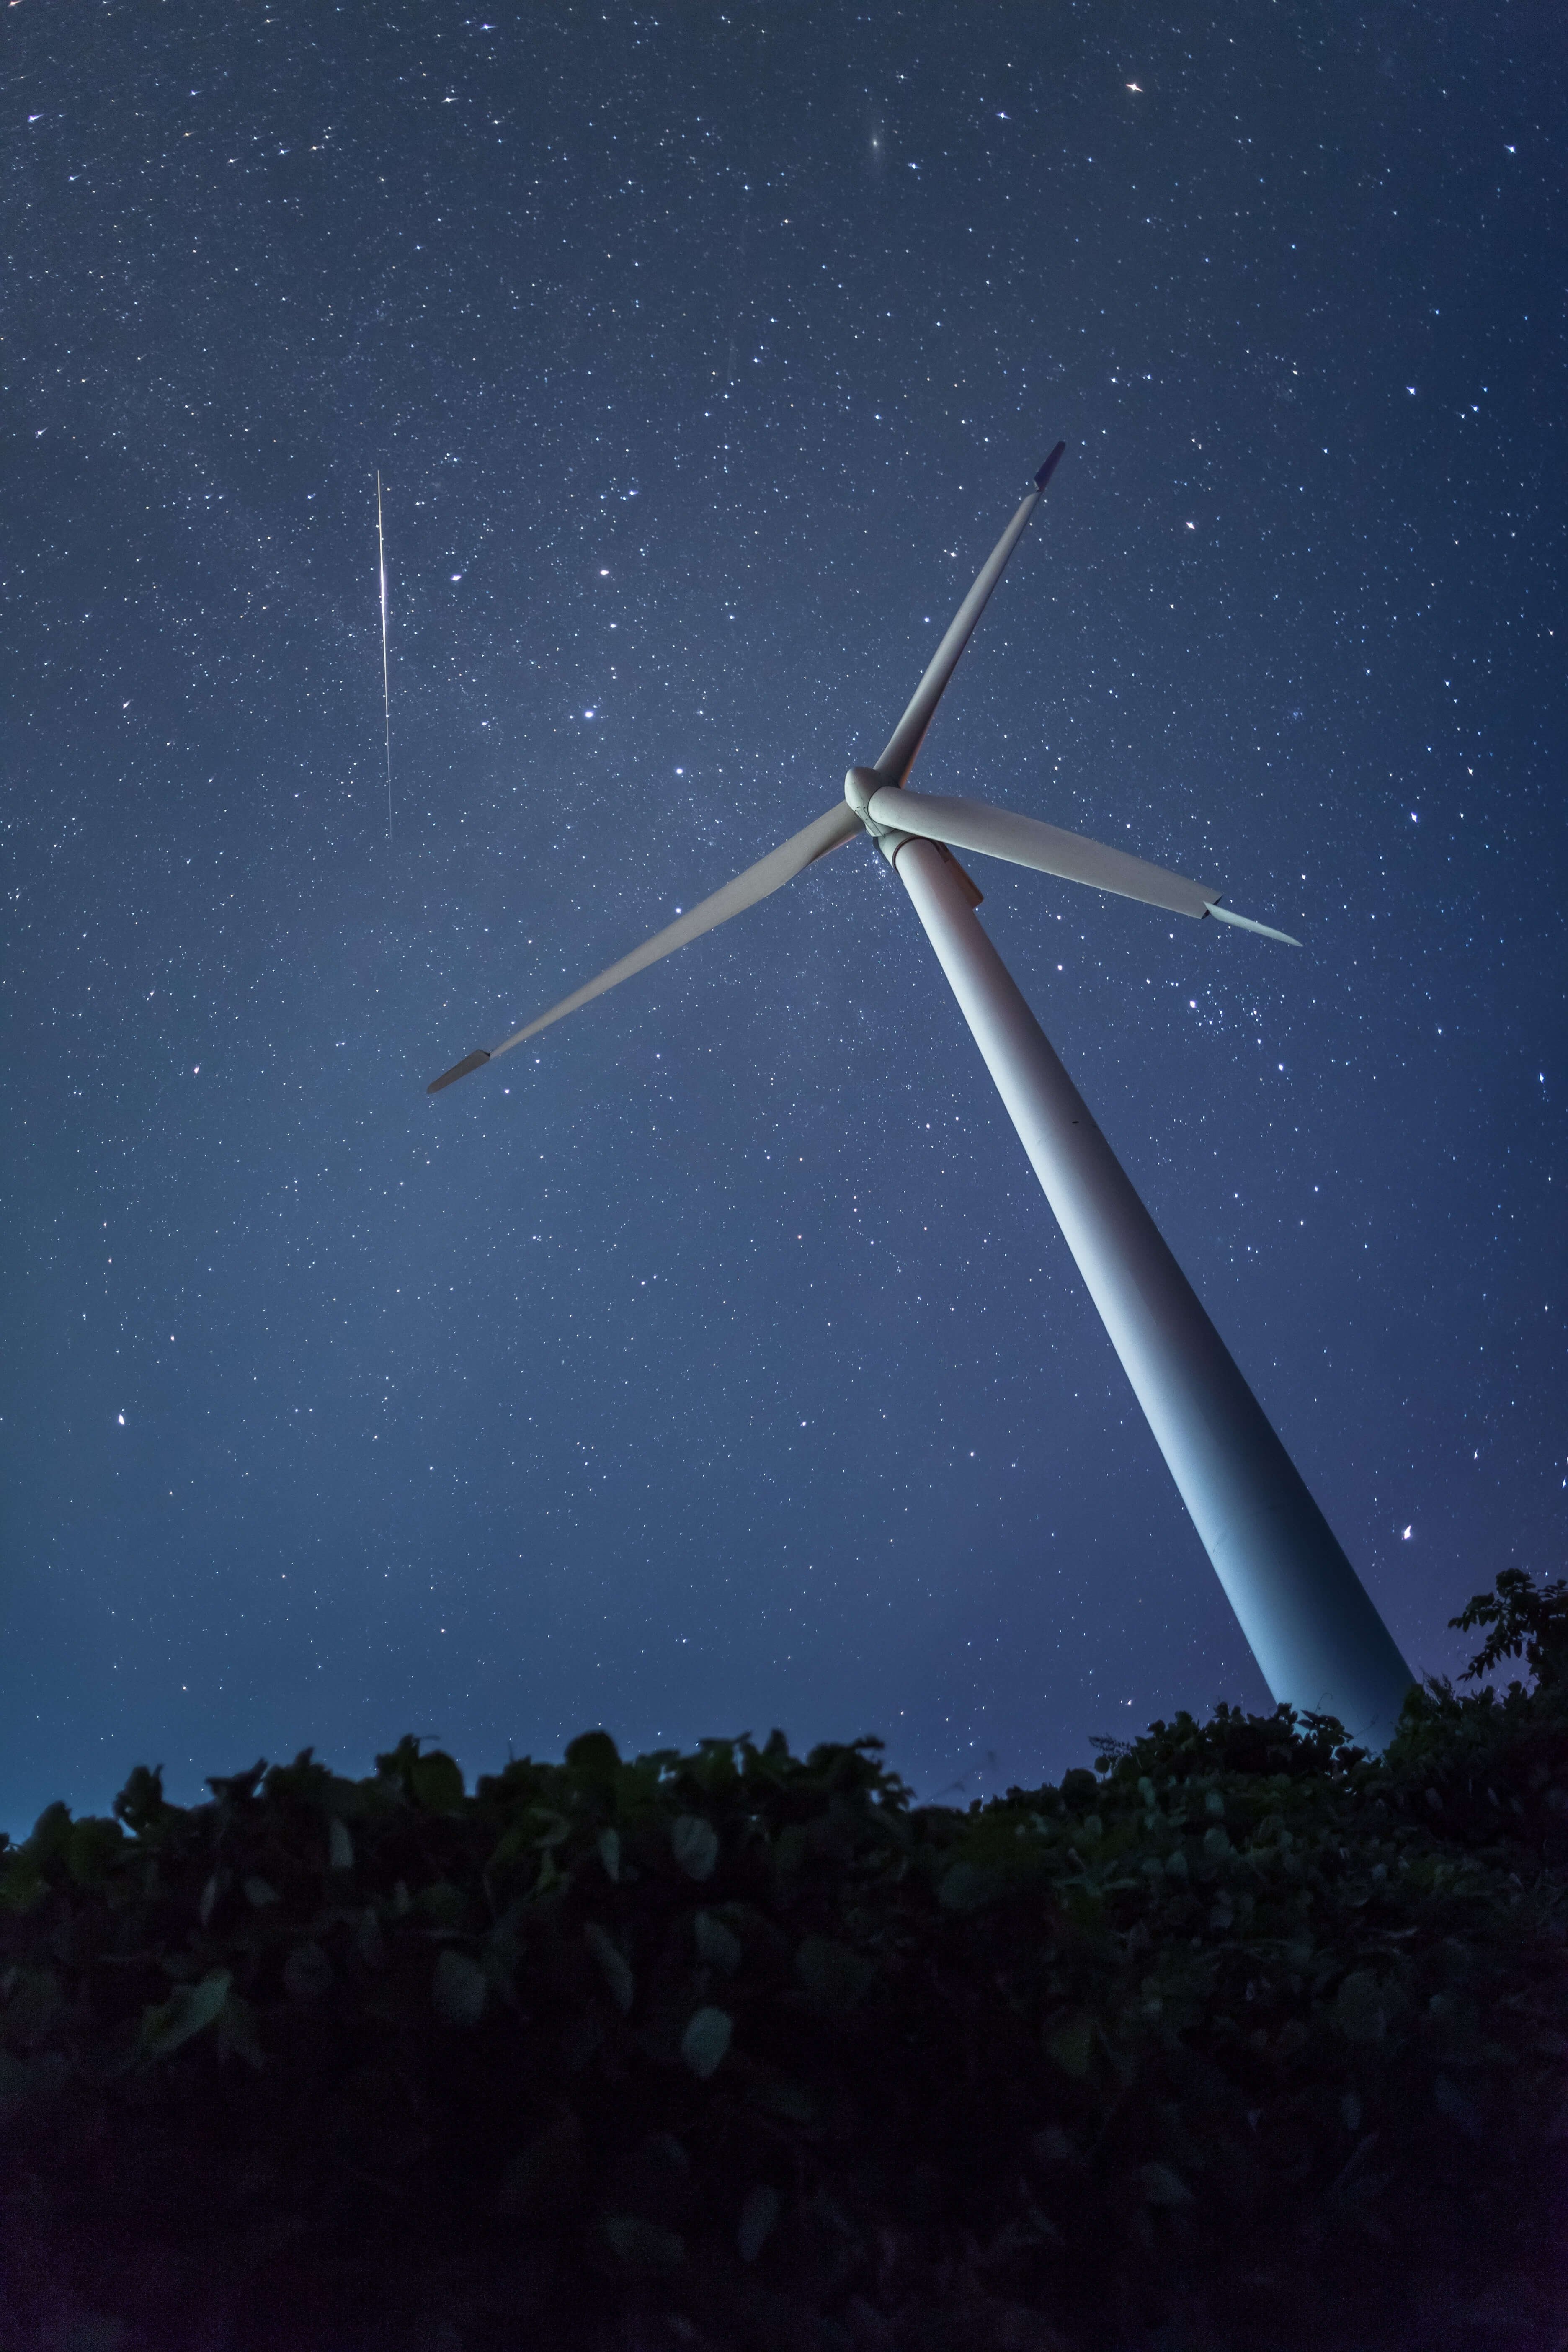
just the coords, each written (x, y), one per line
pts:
(385, 673)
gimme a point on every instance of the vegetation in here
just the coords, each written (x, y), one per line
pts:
(1244, 2040)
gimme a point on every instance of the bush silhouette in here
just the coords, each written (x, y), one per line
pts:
(1245, 2040)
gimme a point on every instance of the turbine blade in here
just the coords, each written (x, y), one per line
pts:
(1246, 923)
(759, 881)
(1024, 841)
(458, 1070)
(905, 741)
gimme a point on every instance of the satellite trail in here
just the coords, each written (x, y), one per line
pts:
(385, 674)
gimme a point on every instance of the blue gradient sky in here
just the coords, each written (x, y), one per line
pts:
(717, 1364)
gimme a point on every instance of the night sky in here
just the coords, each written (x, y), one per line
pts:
(714, 1362)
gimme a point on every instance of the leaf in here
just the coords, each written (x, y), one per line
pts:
(458, 1989)
(231, 1790)
(1351, 2178)
(303, 1781)
(22, 1882)
(339, 1845)
(258, 1894)
(436, 1782)
(779, 2097)
(443, 1904)
(92, 1848)
(614, 1965)
(643, 2245)
(307, 1973)
(548, 2169)
(1158, 2185)
(140, 1804)
(237, 2032)
(758, 2214)
(594, 1757)
(579, 2040)
(1358, 2009)
(791, 1848)
(506, 1849)
(610, 1855)
(189, 2011)
(967, 1888)
(695, 1844)
(831, 1977)
(1071, 2043)
(717, 1946)
(49, 1843)
(706, 2039)
(94, 2331)
(1451, 2102)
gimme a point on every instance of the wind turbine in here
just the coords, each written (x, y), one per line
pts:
(1311, 1624)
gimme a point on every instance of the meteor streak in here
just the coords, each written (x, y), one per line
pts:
(385, 674)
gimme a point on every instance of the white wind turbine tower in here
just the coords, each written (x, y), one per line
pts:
(1312, 1626)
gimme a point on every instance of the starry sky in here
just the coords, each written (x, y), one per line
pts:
(714, 1363)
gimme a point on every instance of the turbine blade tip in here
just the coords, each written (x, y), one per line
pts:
(1049, 467)
(1246, 923)
(458, 1070)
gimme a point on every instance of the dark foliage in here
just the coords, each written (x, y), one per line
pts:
(1245, 2041)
